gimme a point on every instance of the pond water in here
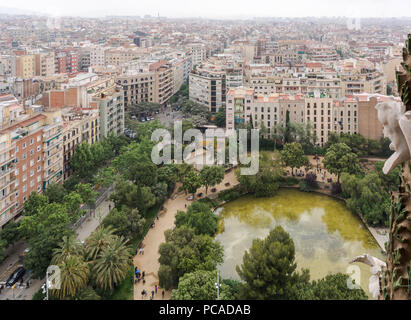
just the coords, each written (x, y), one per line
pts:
(326, 234)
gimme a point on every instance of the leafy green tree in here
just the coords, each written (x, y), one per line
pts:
(220, 118)
(389, 181)
(74, 276)
(88, 195)
(126, 222)
(269, 269)
(200, 285)
(333, 287)
(160, 191)
(55, 193)
(267, 181)
(168, 174)
(293, 156)
(10, 233)
(199, 217)
(185, 252)
(82, 161)
(191, 182)
(2, 250)
(143, 173)
(105, 177)
(211, 176)
(145, 199)
(112, 264)
(367, 197)
(73, 202)
(34, 202)
(44, 231)
(339, 159)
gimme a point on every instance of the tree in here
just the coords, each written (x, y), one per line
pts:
(199, 217)
(168, 174)
(87, 193)
(97, 241)
(69, 246)
(127, 222)
(293, 156)
(200, 285)
(82, 161)
(55, 193)
(339, 159)
(73, 202)
(44, 231)
(105, 177)
(112, 264)
(2, 250)
(185, 252)
(74, 275)
(191, 182)
(211, 176)
(333, 287)
(160, 191)
(367, 197)
(34, 202)
(87, 293)
(10, 233)
(220, 118)
(267, 181)
(269, 269)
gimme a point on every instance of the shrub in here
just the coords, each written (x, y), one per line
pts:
(303, 186)
(311, 180)
(229, 195)
(336, 188)
(290, 181)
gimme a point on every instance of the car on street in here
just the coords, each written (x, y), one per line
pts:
(16, 276)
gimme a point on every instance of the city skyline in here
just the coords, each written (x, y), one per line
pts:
(212, 9)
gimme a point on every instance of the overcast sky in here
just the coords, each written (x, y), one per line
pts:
(217, 8)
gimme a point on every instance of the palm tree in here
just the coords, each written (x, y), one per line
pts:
(112, 264)
(74, 275)
(87, 293)
(70, 246)
(98, 240)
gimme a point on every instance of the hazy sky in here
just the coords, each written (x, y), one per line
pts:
(217, 8)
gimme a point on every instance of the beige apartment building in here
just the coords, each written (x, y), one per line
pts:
(351, 114)
(45, 65)
(25, 66)
(365, 81)
(138, 87)
(119, 56)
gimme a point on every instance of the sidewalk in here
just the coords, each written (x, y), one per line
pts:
(83, 232)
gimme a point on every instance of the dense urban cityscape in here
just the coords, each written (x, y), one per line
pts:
(81, 97)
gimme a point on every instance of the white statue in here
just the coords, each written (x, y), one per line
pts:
(376, 269)
(397, 127)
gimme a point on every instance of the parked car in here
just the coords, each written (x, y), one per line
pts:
(143, 120)
(16, 276)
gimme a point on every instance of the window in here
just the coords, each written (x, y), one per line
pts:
(31, 141)
(38, 138)
(24, 156)
(38, 148)
(24, 145)
(38, 168)
(24, 167)
(31, 173)
(24, 190)
(31, 163)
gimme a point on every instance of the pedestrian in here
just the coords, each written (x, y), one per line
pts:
(162, 294)
(152, 293)
(144, 281)
(185, 205)
(155, 288)
(142, 250)
(142, 293)
(109, 207)
(144, 273)
(28, 283)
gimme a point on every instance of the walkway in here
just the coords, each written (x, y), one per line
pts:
(148, 262)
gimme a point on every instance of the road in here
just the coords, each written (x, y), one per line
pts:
(12, 262)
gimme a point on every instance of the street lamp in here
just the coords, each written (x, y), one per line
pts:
(217, 285)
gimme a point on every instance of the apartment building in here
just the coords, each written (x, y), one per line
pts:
(45, 64)
(351, 114)
(7, 177)
(119, 56)
(78, 126)
(110, 103)
(198, 53)
(97, 56)
(164, 82)
(365, 81)
(25, 66)
(138, 87)
(208, 88)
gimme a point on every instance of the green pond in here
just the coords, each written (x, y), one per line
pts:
(326, 234)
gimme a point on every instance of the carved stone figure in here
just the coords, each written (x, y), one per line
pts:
(397, 127)
(377, 267)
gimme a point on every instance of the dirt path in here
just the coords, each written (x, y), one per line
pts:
(148, 261)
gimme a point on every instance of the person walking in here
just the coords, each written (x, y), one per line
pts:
(144, 273)
(152, 294)
(155, 288)
(162, 294)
